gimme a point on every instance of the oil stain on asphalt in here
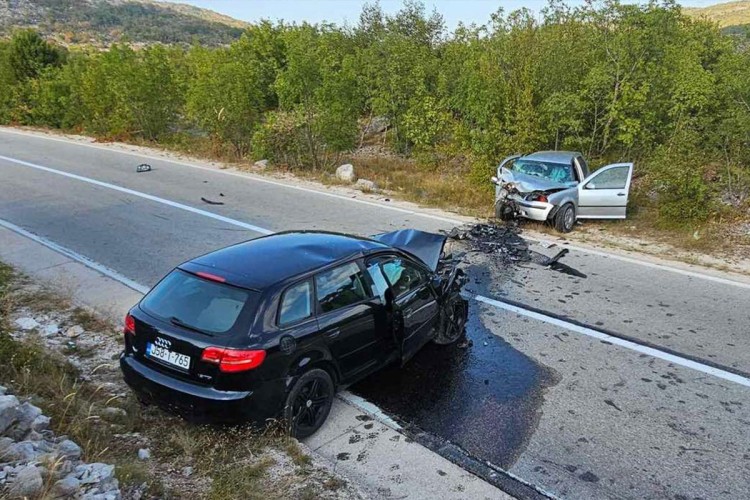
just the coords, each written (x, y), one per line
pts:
(483, 398)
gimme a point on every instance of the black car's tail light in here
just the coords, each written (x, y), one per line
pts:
(129, 325)
(233, 360)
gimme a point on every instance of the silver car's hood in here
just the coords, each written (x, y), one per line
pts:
(527, 183)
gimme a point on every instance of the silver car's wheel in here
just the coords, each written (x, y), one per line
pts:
(565, 218)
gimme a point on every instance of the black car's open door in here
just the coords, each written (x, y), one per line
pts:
(411, 300)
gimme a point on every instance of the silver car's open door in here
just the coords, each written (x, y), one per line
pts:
(604, 194)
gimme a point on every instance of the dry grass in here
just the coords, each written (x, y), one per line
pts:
(725, 14)
(407, 180)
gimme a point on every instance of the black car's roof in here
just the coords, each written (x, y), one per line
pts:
(262, 262)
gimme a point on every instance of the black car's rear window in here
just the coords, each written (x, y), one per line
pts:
(197, 303)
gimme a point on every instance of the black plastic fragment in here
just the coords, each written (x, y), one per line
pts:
(211, 202)
(143, 167)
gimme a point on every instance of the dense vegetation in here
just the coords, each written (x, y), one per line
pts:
(102, 22)
(617, 82)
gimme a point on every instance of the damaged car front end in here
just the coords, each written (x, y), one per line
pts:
(447, 278)
(556, 187)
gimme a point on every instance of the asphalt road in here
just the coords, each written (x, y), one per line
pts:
(570, 414)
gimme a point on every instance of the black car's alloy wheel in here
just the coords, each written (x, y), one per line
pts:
(453, 321)
(309, 403)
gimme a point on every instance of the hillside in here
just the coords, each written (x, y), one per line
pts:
(102, 22)
(730, 15)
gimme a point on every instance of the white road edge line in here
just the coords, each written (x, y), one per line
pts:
(623, 258)
(654, 265)
(671, 358)
(140, 194)
(110, 273)
(242, 175)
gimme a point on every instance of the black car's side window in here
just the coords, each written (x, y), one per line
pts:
(340, 287)
(402, 275)
(296, 303)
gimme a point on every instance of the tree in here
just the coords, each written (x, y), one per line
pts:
(29, 54)
(230, 89)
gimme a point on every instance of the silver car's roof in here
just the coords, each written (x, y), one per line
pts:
(553, 156)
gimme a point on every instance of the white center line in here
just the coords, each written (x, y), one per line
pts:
(656, 353)
(140, 194)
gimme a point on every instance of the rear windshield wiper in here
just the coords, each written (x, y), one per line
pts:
(177, 321)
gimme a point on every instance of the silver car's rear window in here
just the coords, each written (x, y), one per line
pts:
(197, 303)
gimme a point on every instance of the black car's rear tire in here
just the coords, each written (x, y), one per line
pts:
(565, 218)
(308, 403)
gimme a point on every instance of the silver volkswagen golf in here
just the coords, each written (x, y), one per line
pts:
(556, 186)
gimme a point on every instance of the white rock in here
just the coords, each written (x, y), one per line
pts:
(187, 471)
(74, 331)
(346, 173)
(24, 451)
(144, 454)
(25, 416)
(94, 473)
(27, 323)
(40, 423)
(377, 125)
(27, 484)
(114, 414)
(366, 185)
(8, 412)
(69, 449)
(261, 164)
(66, 487)
(50, 329)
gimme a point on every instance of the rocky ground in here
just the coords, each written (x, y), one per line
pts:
(36, 462)
(126, 451)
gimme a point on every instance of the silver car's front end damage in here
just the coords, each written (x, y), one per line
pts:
(518, 195)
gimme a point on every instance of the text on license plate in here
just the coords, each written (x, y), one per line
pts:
(169, 357)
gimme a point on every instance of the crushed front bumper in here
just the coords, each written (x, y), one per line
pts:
(534, 210)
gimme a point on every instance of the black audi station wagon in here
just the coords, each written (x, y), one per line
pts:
(271, 327)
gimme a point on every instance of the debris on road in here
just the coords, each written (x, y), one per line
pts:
(504, 243)
(143, 167)
(506, 246)
(559, 255)
(211, 202)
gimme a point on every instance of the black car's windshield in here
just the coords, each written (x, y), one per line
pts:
(196, 303)
(558, 172)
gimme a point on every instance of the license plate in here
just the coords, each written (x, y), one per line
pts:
(181, 361)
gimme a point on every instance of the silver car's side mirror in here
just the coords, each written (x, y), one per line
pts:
(495, 180)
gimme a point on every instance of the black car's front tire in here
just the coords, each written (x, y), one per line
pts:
(309, 403)
(453, 320)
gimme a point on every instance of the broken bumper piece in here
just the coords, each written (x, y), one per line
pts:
(534, 210)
